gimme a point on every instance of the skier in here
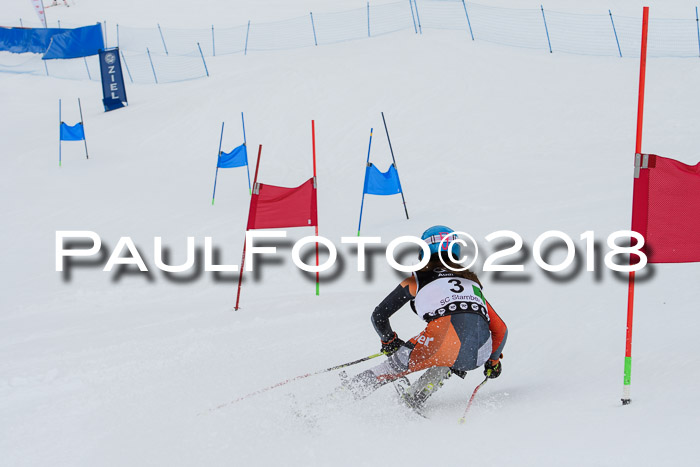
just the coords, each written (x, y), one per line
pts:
(463, 331)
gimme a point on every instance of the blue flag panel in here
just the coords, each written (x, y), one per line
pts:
(236, 158)
(381, 183)
(72, 133)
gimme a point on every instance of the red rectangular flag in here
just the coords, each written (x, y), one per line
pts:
(279, 207)
(666, 208)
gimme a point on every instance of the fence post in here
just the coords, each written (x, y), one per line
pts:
(615, 31)
(46, 68)
(87, 68)
(469, 23)
(104, 25)
(420, 29)
(213, 42)
(546, 30)
(313, 27)
(59, 25)
(245, 51)
(152, 67)
(163, 39)
(21, 25)
(126, 65)
(697, 24)
(117, 35)
(368, 32)
(203, 61)
(415, 29)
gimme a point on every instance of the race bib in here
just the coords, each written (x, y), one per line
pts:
(450, 295)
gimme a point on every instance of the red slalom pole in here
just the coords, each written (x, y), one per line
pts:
(313, 148)
(637, 150)
(471, 399)
(240, 272)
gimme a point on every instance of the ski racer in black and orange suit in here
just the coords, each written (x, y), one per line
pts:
(463, 332)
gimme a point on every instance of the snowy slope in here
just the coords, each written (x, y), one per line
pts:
(107, 369)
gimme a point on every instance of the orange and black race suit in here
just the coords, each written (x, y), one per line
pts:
(463, 331)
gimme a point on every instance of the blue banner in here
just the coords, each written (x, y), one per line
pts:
(75, 43)
(23, 40)
(113, 89)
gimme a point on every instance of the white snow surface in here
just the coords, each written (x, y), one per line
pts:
(108, 369)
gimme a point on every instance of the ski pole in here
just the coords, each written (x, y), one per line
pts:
(296, 378)
(471, 399)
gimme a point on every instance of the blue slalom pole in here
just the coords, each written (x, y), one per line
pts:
(203, 61)
(362, 205)
(394, 160)
(469, 23)
(420, 29)
(126, 65)
(247, 31)
(152, 67)
(60, 123)
(163, 39)
(313, 27)
(218, 156)
(245, 143)
(82, 125)
(615, 31)
(87, 68)
(415, 29)
(368, 33)
(213, 42)
(545, 29)
(697, 24)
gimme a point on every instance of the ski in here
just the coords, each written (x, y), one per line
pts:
(405, 399)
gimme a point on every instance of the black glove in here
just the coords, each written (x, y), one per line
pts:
(392, 346)
(492, 368)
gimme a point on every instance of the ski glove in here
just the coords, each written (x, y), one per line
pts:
(388, 348)
(492, 369)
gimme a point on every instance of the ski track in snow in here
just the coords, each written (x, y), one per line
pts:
(118, 370)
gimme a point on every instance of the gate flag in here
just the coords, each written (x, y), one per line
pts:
(378, 182)
(665, 208)
(113, 90)
(274, 207)
(238, 157)
(381, 183)
(72, 133)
